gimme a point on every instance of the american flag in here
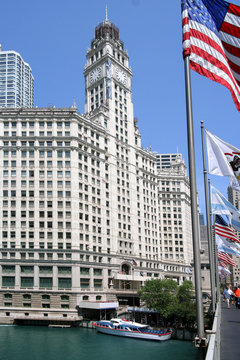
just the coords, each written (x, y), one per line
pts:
(223, 271)
(211, 38)
(221, 264)
(224, 230)
(225, 258)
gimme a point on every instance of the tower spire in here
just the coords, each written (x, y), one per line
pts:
(106, 28)
(106, 13)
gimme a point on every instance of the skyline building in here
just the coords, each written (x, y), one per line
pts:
(79, 199)
(16, 81)
(164, 161)
(174, 210)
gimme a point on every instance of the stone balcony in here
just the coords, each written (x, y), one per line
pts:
(121, 275)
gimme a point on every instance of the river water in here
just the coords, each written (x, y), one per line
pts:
(42, 343)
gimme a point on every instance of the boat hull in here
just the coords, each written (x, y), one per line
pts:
(133, 334)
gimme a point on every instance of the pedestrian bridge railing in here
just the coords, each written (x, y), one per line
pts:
(213, 336)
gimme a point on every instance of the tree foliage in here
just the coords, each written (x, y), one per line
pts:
(159, 295)
(170, 300)
(185, 292)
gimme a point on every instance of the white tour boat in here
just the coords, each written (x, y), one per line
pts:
(121, 327)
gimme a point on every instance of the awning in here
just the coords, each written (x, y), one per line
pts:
(138, 309)
(99, 305)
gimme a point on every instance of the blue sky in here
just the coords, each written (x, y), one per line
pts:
(53, 37)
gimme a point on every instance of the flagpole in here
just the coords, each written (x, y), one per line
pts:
(194, 207)
(216, 263)
(213, 243)
(214, 247)
(210, 246)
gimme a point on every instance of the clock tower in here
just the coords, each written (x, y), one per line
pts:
(108, 76)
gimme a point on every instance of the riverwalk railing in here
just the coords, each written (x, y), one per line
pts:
(213, 336)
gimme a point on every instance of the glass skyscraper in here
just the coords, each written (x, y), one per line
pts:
(16, 81)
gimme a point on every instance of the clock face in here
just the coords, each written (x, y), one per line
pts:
(121, 76)
(95, 74)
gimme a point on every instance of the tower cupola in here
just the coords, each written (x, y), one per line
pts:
(106, 29)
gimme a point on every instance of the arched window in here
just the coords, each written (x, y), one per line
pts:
(126, 269)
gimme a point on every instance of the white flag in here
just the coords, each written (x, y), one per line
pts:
(218, 204)
(223, 271)
(221, 206)
(226, 246)
(223, 159)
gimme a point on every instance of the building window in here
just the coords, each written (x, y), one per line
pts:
(84, 283)
(64, 269)
(45, 282)
(84, 271)
(8, 281)
(45, 269)
(8, 268)
(97, 283)
(64, 283)
(27, 282)
(97, 271)
(26, 269)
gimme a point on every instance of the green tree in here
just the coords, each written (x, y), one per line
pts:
(184, 309)
(159, 295)
(185, 292)
(175, 303)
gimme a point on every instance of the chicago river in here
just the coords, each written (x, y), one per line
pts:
(42, 343)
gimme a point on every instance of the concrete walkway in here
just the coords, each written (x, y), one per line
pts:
(230, 332)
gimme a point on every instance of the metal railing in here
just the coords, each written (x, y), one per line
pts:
(213, 351)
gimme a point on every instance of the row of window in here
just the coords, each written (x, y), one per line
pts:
(47, 282)
(46, 300)
(31, 124)
(41, 256)
(13, 193)
(42, 204)
(32, 133)
(44, 297)
(42, 153)
(45, 269)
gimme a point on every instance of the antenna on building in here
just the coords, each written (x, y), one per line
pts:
(106, 13)
(178, 155)
(74, 103)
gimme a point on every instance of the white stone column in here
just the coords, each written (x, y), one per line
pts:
(105, 279)
(76, 278)
(36, 278)
(91, 279)
(17, 277)
(55, 277)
